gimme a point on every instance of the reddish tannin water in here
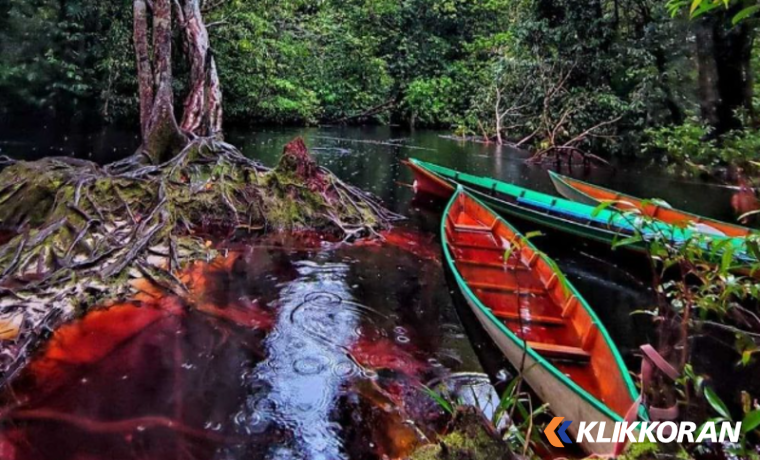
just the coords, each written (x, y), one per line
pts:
(270, 356)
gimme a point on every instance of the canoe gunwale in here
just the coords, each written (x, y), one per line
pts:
(607, 234)
(565, 187)
(467, 292)
(604, 230)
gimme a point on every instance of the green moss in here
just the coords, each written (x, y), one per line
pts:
(469, 438)
(640, 451)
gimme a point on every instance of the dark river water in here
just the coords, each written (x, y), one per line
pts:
(298, 348)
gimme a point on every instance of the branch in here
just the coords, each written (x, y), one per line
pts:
(369, 112)
(216, 24)
(212, 6)
(586, 132)
(733, 329)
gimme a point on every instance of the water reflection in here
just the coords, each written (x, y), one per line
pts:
(297, 386)
(270, 356)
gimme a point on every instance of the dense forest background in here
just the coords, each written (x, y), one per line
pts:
(604, 76)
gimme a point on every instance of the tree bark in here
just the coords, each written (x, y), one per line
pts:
(162, 135)
(725, 79)
(164, 138)
(202, 111)
(144, 67)
(677, 115)
(214, 102)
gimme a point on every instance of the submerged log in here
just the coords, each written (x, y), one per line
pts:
(83, 230)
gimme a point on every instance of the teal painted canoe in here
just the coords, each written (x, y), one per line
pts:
(606, 226)
(537, 318)
(583, 192)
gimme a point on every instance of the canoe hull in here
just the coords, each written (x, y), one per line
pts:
(590, 194)
(561, 399)
(600, 235)
(443, 188)
(572, 364)
(573, 194)
(430, 184)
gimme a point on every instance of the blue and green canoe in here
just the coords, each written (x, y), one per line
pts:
(608, 225)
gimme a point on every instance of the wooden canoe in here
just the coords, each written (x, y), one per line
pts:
(513, 201)
(537, 319)
(583, 192)
(606, 226)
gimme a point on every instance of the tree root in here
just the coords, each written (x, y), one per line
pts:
(83, 231)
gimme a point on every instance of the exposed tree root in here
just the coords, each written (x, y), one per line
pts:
(83, 231)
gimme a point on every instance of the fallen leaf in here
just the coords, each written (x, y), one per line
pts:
(10, 326)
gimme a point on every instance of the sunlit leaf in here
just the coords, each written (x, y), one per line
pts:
(745, 13)
(533, 234)
(694, 5)
(716, 403)
(628, 241)
(727, 258)
(751, 421)
(440, 400)
(601, 207)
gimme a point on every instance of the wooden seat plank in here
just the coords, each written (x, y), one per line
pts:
(498, 265)
(560, 351)
(506, 288)
(545, 320)
(472, 228)
(476, 246)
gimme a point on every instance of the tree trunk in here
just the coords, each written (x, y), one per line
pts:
(162, 136)
(725, 79)
(144, 67)
(677, 115)
(203, 105)
(497, 116)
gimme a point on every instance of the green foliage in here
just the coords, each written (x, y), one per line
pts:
(563, 67)
(433, 63)
(690, 145)
(716, 403)
(429, 101)
(67, 57)
(279, 61)
(442, 400)
(708, 280)
(704, 282)
(697, 8)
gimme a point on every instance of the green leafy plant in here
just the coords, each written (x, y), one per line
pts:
(697, 8)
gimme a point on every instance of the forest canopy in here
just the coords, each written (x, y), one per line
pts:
(532, 72)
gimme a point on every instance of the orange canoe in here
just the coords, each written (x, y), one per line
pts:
(537, 318)
(583, 192)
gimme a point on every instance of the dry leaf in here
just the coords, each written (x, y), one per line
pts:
(10, 325)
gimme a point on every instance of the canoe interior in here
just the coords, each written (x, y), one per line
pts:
(663, 213)
(527, 296)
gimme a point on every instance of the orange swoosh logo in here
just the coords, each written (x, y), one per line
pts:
(550, 432)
